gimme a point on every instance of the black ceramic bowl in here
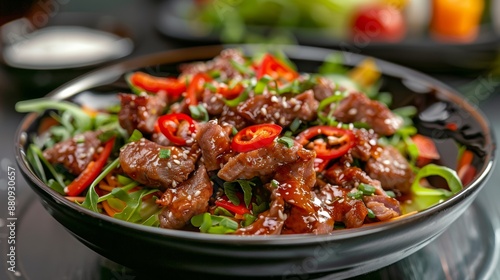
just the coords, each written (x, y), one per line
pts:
(342, 254)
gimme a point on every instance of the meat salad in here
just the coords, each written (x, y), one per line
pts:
(241, 145)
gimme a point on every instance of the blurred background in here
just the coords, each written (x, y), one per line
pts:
(45, 43)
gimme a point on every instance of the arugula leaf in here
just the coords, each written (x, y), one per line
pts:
(131, 211)
(214, 224)
(83, 121)
(91, 199)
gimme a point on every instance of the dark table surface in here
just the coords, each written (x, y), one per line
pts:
(45, 250)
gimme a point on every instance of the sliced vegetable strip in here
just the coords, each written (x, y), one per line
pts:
(172, 86)
(169, 125)
(91, 172)
(255, 137)
(336, 141)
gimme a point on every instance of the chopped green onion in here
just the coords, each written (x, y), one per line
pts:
(164, 153)
(294, 126)
(355, 195)
(370, 214)
(390, 194)
(234, 102)
(274, 183)
(262, 84)
(287, 141)
(242, 69)
(199, 113)
(366, 189)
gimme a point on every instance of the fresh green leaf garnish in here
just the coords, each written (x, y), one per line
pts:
(83, 121)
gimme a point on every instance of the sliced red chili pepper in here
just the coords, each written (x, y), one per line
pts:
(169, 125)
(328, 142)
(225, 203)
(254, 137)
(276, 69)
(91, 172)
(230, 93)
(172, 86)
(195, 87)
(427, 150)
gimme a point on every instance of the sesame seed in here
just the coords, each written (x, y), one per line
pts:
(169, 165)
(296, 108)
(174, 184)
(277, 115)
(197, 193)
(274, 99)
(263, 110)
(176, 161)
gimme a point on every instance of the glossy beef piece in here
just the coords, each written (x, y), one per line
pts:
(269, 222)
(214, 142)
(341, 208)
(140, 111)
(324, 88)
(261, 162)
(74, 153)
(270, 108)
(348, 177)
(221, 63)
(366, 145)
(231, 116)
(391, 169)
(384, 207)
(141, 161)
(357, 107)
(190, 198)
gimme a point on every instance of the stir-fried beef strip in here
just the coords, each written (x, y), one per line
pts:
(391, 169)
(270, 108)
(383, 207)
(357, 107)
(190, 198)
(141, 111)
(74, 153)
(261, 162)
(269, 222)
(214, 142)
(366, 145)
(341, 208)
(222, 63)
(141, 161)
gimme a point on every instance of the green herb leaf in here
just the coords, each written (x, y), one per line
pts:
(230, 190)
(262, 83)
(246, 186)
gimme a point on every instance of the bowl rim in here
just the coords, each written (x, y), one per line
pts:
(110, 73)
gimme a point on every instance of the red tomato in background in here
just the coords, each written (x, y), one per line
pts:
(378, 23)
